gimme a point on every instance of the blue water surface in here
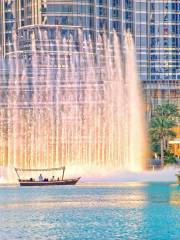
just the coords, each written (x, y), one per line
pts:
(126, 211)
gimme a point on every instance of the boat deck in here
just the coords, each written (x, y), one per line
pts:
(49, 183)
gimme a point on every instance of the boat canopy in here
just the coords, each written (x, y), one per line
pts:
(39, 170)
(20, 171)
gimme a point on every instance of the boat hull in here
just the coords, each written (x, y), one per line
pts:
(178, 177)
(25, 183)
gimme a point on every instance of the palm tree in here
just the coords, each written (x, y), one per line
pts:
(167, 110)
(163, 121)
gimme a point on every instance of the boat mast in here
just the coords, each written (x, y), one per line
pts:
(63, 173)
(17, 173)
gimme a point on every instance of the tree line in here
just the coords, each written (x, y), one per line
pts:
(165, 119)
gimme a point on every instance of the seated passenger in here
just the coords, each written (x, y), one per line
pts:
(52, 179)
(40, 178)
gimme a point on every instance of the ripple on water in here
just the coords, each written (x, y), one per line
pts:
(124, 211)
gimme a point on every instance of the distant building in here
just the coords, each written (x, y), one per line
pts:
(93, 16)
(157, 36)
(154, 24)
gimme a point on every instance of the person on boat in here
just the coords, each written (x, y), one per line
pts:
(40, 178)
(52, 179)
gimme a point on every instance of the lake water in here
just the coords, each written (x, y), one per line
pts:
(126, 211)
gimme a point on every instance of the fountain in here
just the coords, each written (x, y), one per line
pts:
(70, 103)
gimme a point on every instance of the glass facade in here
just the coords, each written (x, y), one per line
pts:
(93, 16)
(154, 24)
(157, 35)
(7, 23)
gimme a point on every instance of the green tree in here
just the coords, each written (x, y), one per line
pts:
(170, 158)
(165, 118)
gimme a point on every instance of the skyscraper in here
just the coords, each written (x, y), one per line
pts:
(156, 30)
(154, 25)
(92, 16)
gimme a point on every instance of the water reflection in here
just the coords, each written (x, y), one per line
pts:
(122, 211)
(175, 197)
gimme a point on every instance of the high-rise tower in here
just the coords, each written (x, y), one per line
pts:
(93, 16)
(154, 24)
(157, 32)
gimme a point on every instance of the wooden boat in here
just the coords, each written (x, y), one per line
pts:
(49, 183)
(45, 182)
(178, 178)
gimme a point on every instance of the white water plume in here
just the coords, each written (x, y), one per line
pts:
(72, 104)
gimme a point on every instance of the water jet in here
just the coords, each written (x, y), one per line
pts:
(71, 103)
